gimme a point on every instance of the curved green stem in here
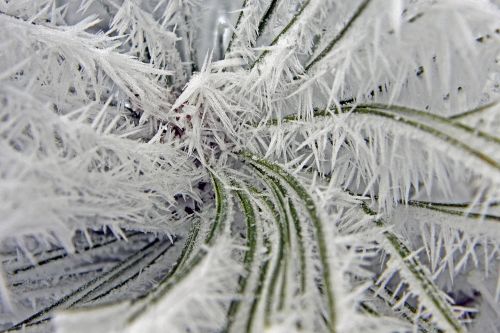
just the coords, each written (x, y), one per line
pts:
(316, 222)
(474, 111)
(430, 116)
(89, 287)
(233, 36)
(401, 118)
(180, 271)
(249, 256)
(290, 24)
(267, 16)
(395, 246)
(359, 11)
(281, 261)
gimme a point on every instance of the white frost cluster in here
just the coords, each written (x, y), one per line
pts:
(250, 165)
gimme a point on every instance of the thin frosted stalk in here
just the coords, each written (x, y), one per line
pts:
(407, 312)
(434, 117)
(86, 289)
(281, 194)
(178, 273)
(418, 124)
(359, 11)
(280, 223)
(251, 242)
(221, 208)
(413, 267)
(447, 208)
(282, 33)
(437, 208)
(317, 224)
(474, 111)
(61, 254)
(233, 36)
(267, 16)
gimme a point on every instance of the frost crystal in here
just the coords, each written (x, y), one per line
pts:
(250, 166)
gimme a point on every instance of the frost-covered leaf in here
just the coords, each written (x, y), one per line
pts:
(250, 165)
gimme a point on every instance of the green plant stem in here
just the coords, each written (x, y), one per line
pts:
(359, 11)
(446, 208)
(316, 222)
(233, 36)
(418, 272)
(402, 118)
(99, 294)
(267, 16)
(280, 221)
(474, 111)
(259, 289)
(87, 288)
(179, 272)
(64, 254)
(221, 209)
(281, 193)
(406, 313)
(248, 259)
(454, 212)
(290, 24)
(430, 116)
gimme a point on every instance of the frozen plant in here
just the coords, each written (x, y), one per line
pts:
(250, 166)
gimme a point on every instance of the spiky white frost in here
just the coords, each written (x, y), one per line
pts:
(317, 165)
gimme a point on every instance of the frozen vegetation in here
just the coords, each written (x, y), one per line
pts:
(250, 166)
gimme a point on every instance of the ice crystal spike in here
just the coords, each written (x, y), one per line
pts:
(249, 166)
